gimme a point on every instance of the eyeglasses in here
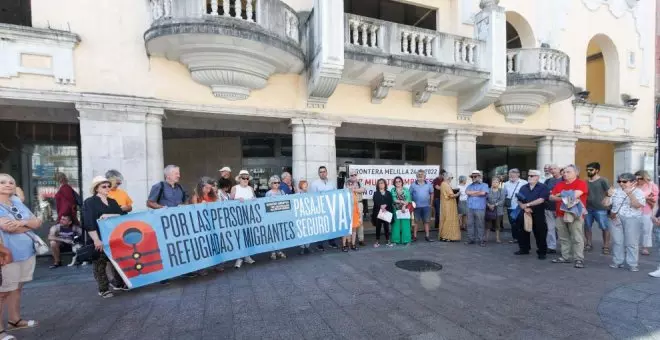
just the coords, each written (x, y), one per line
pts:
(276, 183)
(622, 181)
(353, 175)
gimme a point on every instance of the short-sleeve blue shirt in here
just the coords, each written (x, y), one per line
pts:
(20, 245)
(172, 196)
(540, 191)
(421, 194)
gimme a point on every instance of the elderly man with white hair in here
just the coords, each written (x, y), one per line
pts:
(531, 199)
(550, 214)
(511, 188)
(287, 185)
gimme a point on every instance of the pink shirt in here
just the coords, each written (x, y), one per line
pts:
(648, 189)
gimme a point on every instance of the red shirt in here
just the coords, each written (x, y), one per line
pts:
(65, 203)
(577, 184)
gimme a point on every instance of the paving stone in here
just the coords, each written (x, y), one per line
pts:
(627, 294)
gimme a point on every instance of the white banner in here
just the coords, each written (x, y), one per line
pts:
(368, 175)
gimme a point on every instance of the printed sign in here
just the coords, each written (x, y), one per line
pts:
(368, 175)
(155, 245)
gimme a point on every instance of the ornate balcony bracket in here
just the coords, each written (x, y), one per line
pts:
(603, 117)
(381, 86)
(231, 52)
(534, 77)
(424, 90)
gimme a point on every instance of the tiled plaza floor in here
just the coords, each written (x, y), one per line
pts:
(481, 293)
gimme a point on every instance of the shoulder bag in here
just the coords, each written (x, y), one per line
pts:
(507, 200)
(40, 247)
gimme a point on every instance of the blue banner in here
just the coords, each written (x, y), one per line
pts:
(155, 245)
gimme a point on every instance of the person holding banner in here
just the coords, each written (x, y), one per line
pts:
(100, 206)
(274, 184)
(204, 191)
(382, 203)
(451, 230)
(242, 192)
(323, 184)
(401, 222)
(353, 186)
(302, 189)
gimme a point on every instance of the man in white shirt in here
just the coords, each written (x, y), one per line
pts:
(320, 185)
(511, 188)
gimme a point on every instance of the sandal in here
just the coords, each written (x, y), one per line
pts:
(560, 260)
(579, 264)
(5, 336)
(606, 251)
(20, 324)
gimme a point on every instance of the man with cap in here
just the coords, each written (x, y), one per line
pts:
(477, 193)
(531, 199)
(225, 173)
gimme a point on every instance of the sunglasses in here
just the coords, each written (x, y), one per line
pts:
(14, 211)
(639, 179)
(622, 181)
(104, 186)
(276, 182)
(245, 178)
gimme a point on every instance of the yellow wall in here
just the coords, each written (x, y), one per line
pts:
(603, 153)
(595, 75)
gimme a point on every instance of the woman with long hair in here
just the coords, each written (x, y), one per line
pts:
(382, 202)
(204, 191)
(400, 226)
(16, 227)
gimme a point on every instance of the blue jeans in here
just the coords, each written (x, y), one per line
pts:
(436, 207)
(598, 216)
(513, 223)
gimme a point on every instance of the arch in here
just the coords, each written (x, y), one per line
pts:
(610, 57)
(525, 32)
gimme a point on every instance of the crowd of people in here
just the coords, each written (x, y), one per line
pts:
(554, 205)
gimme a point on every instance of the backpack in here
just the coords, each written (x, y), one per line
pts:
(78, 198)
(176, 185)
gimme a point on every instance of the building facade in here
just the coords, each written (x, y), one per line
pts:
(267, 85)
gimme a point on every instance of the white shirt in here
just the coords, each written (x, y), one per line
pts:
(320, 185)
(461, 190)
(246, 193)
(511, 189)
(621, 203)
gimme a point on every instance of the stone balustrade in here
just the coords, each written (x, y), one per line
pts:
(273, 15)
(543, 61)
(368, 34)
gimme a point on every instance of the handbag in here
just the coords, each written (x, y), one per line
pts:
(385, 215)
(87, 253)
(529, 222)
(403, 214)
(491, 215)
(507, 200)
(40, 247)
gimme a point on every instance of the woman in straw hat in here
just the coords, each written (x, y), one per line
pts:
(243, 191)
(100, 206)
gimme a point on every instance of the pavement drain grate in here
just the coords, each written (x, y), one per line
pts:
(419, 265)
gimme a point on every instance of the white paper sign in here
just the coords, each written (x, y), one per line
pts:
(368, 175)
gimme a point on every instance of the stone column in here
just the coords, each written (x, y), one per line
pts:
(631, 156)
(313, 145)
(126, 138)
(555, 150)
(459, 152)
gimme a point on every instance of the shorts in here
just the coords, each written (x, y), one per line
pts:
(462, 208)
(598, 216)
(17, 272)
(423, 214)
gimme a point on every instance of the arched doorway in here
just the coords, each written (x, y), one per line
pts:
(602, 71)
(518, 32)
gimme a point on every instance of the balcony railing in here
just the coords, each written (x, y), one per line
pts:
(378, 36)
(273, 15)
(542, 61)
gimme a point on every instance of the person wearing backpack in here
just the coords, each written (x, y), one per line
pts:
(67, 200)
(167, 193)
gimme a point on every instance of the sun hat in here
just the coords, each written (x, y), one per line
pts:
(95, 182)
(243, 173)
(476, 172)
(226, 168)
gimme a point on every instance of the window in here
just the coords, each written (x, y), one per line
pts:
(15, 12)
(393, 11)
(258, 147)
(286, 149)
(355, 149)
(415, 153)
(392, 151)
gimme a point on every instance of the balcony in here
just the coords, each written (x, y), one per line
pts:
(535, 76)
(386, 55)
(231, 46)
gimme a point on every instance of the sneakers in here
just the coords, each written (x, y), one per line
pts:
(106, 294)
(55, 265)
(616, 266)
(390, 244)
(273, 256)
(655, 273)
(249, 260)
(121, 287)
(238, 263)
(376, 245)
(634, 269)
(428, 239)
(281, 254)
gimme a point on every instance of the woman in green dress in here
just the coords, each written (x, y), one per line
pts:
(400, 226)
